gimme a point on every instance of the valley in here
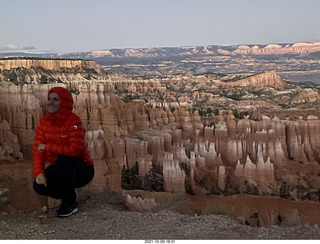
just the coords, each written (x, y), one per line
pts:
(225, 126)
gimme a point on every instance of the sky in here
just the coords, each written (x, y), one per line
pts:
(60, 26)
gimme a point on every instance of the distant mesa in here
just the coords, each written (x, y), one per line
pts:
(270, 49)
(276, 49)
(49, 64)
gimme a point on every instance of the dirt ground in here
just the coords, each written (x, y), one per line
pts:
(105, 217)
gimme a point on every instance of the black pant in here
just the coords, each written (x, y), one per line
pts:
(62, 179)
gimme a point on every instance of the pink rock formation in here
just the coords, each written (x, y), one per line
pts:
(296, 48)
(260, 80)
(227, 156)
(173, 176)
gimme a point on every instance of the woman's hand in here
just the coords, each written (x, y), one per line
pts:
(41, 147)
(41, 179)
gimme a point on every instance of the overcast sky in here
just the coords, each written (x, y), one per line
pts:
(86, 25)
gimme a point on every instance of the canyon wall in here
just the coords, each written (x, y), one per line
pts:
(49, 64)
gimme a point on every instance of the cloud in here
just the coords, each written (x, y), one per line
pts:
(17, 48)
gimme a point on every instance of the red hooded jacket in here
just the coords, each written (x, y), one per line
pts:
(62, 132)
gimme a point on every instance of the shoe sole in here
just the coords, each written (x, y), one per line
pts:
(68, 214)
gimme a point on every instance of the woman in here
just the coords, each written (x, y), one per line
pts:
(59, 140)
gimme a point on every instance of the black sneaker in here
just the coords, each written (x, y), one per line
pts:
(66, 210)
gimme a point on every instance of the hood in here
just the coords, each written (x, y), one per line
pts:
(66, 105)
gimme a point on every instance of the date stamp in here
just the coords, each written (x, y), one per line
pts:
(159, 241)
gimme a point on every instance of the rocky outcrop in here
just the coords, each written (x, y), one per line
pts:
(307, 95)
(9, 143)
(173, 175)
(267, 79)
(137, 204)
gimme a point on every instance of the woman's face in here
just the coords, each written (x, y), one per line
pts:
(54, 102)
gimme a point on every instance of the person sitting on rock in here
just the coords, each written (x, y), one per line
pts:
(59, 140)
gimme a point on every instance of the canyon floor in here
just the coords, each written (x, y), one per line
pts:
(105, 217)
